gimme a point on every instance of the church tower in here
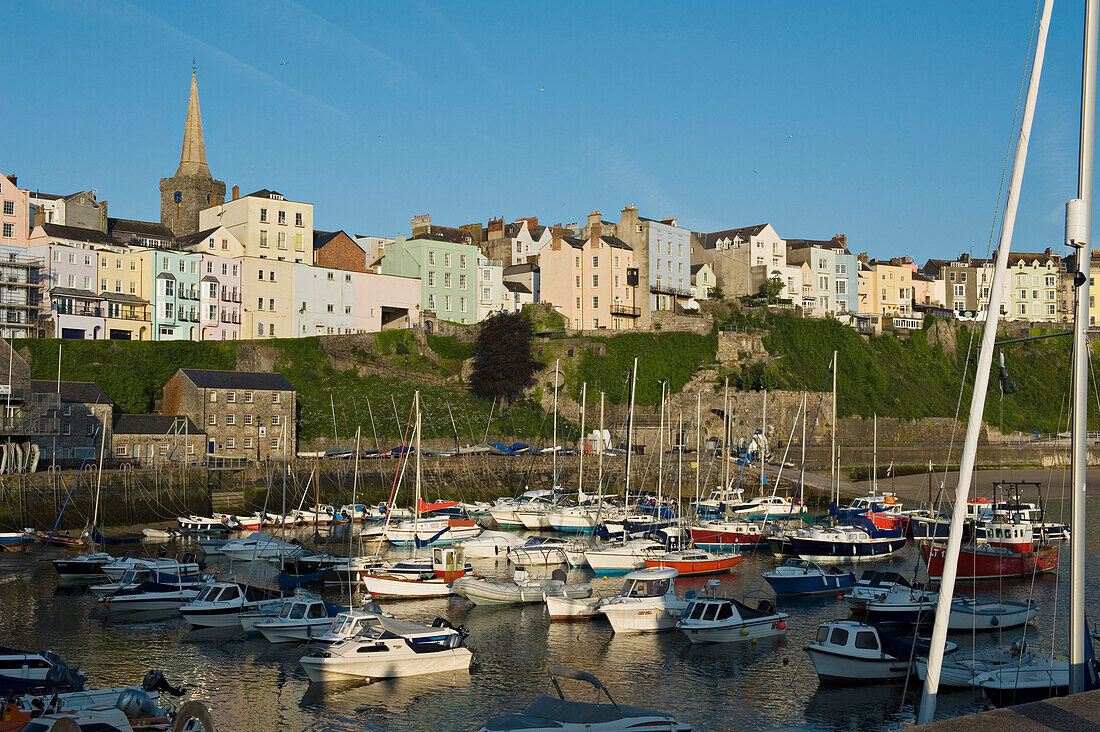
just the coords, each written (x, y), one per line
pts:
(192, 188)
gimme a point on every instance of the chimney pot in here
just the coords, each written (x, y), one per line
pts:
(236, 192)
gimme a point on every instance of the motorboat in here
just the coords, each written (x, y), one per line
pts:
(721, 535)
(187, 567)
(321, 515)
(540, 551)
(872, 584)
(140, 574)
(504, 510)
(623, 558)
(416, 578)
(21, 672)
(309, 564)
(353, 622)
(201, 524)
(802, 577)
(84, 567)
(765, 508)
(574, 519)
(16, 539)
(854, 542)
(348, 623)
(722, 620)
(351, 571)
(156, 596)
(560, 607)
(384, 650)
(959, 673)
(558, 714)
(489, 545)
(259, 545)
(432, 531)
(694, 562)
(522, 588)
(1024, 681)
(850, 652)
(714, 505)
(902, 604)
(647, 603)
(302, 615)
(219, 604)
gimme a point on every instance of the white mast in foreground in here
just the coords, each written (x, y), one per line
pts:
(981, 384)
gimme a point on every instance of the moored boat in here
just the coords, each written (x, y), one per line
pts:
(847, 652)
(991, 562)
(693, 562)
(521, 589)
(802, 577)
(722, 620)
(647, 603)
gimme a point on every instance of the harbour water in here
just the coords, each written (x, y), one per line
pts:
(251, 685)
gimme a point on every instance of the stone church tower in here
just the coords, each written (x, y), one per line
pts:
(192, 188)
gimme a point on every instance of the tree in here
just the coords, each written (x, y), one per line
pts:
(772, 288)
(716, 293)
(503, 365)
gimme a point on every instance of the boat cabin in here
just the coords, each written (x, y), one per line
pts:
(219, 592)
(304, 608)
(850, 638)
(650, 582)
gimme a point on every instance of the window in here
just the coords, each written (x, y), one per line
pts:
(462, 282)
(259, 328)
(274, 397)
(248, 397)
(595, 280)
(595, 303)
(120, 451)
(839, 637)
(260, 304)
(231, 419)
(462, 261)
(248, 442)
(1050, 309)
(446, 259)
(282, 217)
(271, 303)
(866, 639)
(578, 280)
(248, 418)
(282, 240)
(595, 261)
(842, 287)
(263, 214)
(212, 420)
(486, 293)
(271, 329)
(960, 290)
(431, 258)
(578, 303)
(330, 307)
(263, 237)
(431, 278)
(298, 243)
(431, 301)
(298, 218)
(462, 304)
(578, 263)
(447, 302)
(274, 443)
(446, 279)
(270, 276)
(9, 208)
(230, 442)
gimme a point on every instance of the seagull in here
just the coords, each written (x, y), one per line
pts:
(542, 88)
(284, 63)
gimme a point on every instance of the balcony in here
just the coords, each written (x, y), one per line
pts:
(669, 290)
(625, 311)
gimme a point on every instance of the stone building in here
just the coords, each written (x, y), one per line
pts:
(80, 209)
(192, 188)
(83, 413)
(150, 439)
(245, 414)
(141, 233)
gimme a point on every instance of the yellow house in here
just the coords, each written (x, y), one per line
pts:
(266, 224)
(124, 281)
(267, 288)
(886, 287)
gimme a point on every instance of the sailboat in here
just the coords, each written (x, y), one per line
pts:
(417, 577)
(1038, 678)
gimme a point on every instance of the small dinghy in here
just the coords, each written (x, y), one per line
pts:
(968, 614)
(159, 534)
(713, 619)
(647, 603)
(385, 650)
(521, 589)
(694, 562)
(59, 538)
(540, 551)
(802, 577)
(566, 608)
(850, 652)
(558, 714)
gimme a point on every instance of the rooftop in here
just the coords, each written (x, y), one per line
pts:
(209, 379)
(85, 392)
(75, 233)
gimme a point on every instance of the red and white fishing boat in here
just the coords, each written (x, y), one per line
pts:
(724, 535)
(992, 562)
(696, 562)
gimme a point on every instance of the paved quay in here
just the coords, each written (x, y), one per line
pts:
(1064, 714)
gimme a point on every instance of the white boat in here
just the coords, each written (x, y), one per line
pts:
(903, 604)
(383, 650)
(31, 667)
(504, 510)
(219, 604)
(968, 614)
(393, 580)
(349, 623)
(959, 673)
(765, 508)
(489, 545)
(568, 608)
(647, 603)
(872, 584)
(154, 596)
(573, 519)
(847, 651)
(301, 616)
(558, 714)
(521, 589)
(623, 558)
(159, 534)
(721, 620)
(200, 524)
(432, 531)
(540, 551)
(115, 570)
(1026, 680)
(259, 545)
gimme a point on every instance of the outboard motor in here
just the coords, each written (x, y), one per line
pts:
(162, 552)
(137, 704)
(155, 681)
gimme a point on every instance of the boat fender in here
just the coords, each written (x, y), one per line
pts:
(744, 631)
(994, 621)
(782, 625)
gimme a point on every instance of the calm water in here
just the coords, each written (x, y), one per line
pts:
(764, 686)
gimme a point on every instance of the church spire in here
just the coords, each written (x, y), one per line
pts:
(193, 156)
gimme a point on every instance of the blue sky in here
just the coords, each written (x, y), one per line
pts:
(883, 121)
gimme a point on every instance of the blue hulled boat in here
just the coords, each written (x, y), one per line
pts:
(802, 577)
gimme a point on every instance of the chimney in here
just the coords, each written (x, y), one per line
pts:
(236, 192)
(14, 179)
(863, 257)
(594, 225)
(1048, 251)
(39, 215)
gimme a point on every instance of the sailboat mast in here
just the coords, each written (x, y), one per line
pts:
(802, 470)
(832, 452)
(698, 439)
(763, 438)
(351, 523)
(580, 457)
(599, 458)
(874, 461)
(680, 469)
(554, 473)
(661, 451)
(1078, 234)
(981, 384)
(630, 433)
(726, 438)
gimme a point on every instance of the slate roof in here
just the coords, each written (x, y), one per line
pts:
(616, 243)
(73, 292)
(522, 268)
(574, 242)
(263, 193)
(517, 287)
(152, 424)
(696, 267)
(209, 379)
(146, 228)
(320, 238)
(819, 243)
(198, 237)
(445, 233)
(744, 232)
(85, 392)
(123, 297)
(75, 233)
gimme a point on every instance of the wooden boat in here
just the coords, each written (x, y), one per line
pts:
(59, 539)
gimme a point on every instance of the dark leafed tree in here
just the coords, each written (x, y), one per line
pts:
(503, 366)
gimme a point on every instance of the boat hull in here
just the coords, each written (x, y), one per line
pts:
(708, 538)
(320, 670)
(744, 631)
(823, 550)
(717, 565)
(567, 608)
(835, 668)
(387, 586)
(810, 584)
(978, 563)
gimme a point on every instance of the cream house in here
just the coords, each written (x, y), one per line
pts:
(266, 224)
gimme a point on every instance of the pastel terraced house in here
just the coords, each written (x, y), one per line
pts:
(586, 280)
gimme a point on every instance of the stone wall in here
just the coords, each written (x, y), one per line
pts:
(665, 320)
(731, 344)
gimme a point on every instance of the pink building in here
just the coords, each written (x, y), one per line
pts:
(385, 302)
(220, 298)
(591, 282)
(15, 209)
